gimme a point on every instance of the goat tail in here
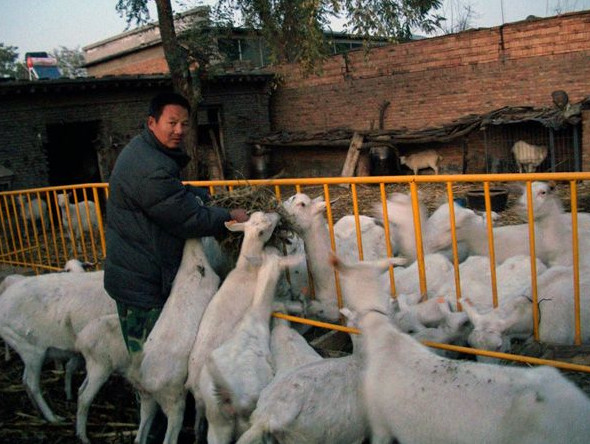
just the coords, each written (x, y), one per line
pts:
(256, 434)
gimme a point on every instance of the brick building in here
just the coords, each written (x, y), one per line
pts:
(433, 82)
(428, 84)
(68, 131)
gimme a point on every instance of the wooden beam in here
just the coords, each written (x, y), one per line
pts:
(352, 157)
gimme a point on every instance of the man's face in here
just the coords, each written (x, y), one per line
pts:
(171, 127)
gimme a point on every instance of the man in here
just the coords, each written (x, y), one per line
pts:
(150, 213)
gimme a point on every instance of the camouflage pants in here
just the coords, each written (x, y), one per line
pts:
(136, 324)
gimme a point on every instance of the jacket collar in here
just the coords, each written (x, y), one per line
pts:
(178, 155)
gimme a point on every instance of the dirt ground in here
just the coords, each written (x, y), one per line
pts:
(113, 417)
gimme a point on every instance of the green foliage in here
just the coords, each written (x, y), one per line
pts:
(9, 65)
(70, 61)
(394, 20)
(294, 29)
(134, 11)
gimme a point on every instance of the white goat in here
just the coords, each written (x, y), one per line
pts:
(372, 237)
(421, 160)
(241, 367)
(436, 228)
(557, 307)
(162, 372)
(230, 302)
(437, 269)
(77, 218)
(306, 216)
(494, 330)
(401, 223)
(77, 266)
(288, 348)
(40, 317)
(288, 408)
(509, 240)
(469, 402)
(527, 156)
(553, 228)
(102, 345)
(513, 279)
(74, 362)
(33, 209)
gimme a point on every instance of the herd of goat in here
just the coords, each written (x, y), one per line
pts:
(255, 377)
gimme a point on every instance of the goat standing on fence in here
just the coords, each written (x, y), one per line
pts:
(150, 214)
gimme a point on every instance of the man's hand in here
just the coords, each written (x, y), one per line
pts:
(239, 215)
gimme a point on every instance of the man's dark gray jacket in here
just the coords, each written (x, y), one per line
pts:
(150, 214)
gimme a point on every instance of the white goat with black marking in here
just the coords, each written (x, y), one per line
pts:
(467, 402)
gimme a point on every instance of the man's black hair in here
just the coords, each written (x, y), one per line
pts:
(158, 103)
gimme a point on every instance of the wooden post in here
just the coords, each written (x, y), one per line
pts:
(354, 151)
(217, 155)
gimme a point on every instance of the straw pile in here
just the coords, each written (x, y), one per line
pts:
(252, 199)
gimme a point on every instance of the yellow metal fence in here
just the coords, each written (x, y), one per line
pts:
(37, 232)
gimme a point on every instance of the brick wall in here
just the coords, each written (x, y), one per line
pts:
(147, 61)
(24, 121)
(244, 114)
(433, 81)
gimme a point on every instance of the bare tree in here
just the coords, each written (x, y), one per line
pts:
(459, 16)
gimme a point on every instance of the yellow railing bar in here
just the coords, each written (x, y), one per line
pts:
(357, 223)
(456, 348)
(17, 255)
(387, 236)
(451, 201)
(532, 247)
(492, 252)
(418, 234)
(576, 263)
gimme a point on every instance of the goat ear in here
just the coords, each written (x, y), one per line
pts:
(319, 207)
(235, 226)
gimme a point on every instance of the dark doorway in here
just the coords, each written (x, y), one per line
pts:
(72, 154)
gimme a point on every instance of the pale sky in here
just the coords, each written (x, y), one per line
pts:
(44, 25)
